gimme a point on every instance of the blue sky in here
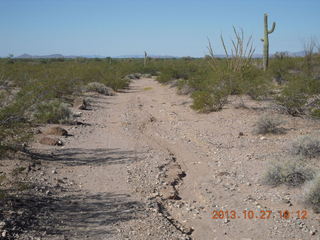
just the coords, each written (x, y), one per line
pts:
(166, 27)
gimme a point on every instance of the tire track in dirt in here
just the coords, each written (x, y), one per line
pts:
(170, 171)
(223, 162)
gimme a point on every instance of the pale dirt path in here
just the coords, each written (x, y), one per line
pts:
(98, 202)
(223, 170)
(120, 165)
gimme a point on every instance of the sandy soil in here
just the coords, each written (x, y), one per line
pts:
(148, 167)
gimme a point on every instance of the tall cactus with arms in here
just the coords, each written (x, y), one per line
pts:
(145, 58)
(266, 41)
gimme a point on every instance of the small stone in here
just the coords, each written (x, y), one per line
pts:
(48, 193)
(77, 114)
(54, 171)
(2, 225)
(51, 141)
(285, 200)
(4, 233)
(313, 231)
(226, 221)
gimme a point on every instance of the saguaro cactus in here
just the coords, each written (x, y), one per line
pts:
(266, 41)
(145, 58)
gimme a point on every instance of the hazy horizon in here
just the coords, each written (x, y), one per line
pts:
(175, 28)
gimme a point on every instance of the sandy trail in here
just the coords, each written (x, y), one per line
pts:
(149, 167)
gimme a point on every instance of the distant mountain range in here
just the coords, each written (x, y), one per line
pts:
(90, 56)
(57, 56)
(142, 56)
(26, 56)
(258, 55)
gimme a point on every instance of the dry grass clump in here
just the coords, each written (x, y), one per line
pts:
(53, 111)
(308, 146)
(99, 88)
(312, 194)
(289, 172)
(269, 124)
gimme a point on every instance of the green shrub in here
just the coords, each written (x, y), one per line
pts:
(288, 172)
(179, 69)
(268, 124)
(295, 95)
(3, 194)
(164, 77)
(292, 99)
(53, 111)
(315, 113)
(205, 101)
(14, 128)
(281, 65)
(308, 146)
(256, 83)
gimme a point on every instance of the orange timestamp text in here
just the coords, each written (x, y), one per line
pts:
(261, 214)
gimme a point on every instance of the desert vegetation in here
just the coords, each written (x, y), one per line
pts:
(312, 194)
(34, 92)
(292, 172)
(269, 124)
(27, 84)
(39, 91)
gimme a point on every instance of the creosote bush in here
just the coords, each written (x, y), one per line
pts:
(268, 124)
(292, 102)
(312, 194)
(293, 97)
(308, 146)
(290, 172)
(209, 101)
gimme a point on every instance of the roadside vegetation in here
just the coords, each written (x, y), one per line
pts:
(41, 91)
(291, 172)
(38, 90)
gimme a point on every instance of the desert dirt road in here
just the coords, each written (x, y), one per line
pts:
(149, 167)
